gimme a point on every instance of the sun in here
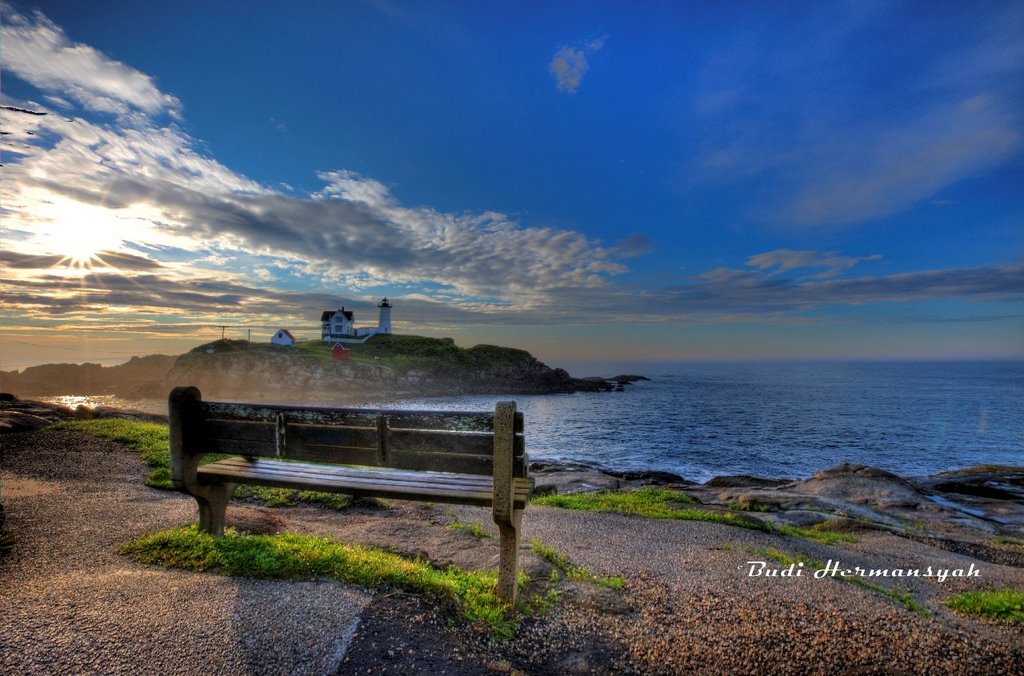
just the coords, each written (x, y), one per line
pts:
(79, 232)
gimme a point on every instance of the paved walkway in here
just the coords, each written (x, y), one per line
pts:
(70, 604)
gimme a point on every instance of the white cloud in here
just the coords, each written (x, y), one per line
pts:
(148, 187)
(38, 51)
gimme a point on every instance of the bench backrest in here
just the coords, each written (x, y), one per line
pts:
(444, 441)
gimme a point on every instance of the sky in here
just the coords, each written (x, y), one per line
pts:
(590, 180)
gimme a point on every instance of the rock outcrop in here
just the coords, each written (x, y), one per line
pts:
(138, 377)
(26, 415)
(387, 367)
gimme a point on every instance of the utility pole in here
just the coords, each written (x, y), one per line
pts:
(222, 327)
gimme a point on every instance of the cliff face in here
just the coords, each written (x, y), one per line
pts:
(138, 377)
(387, 366)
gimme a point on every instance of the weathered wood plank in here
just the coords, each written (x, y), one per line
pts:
(323, 435)
(465, 421)
(475, 481)
(443, 462)
(267, 449)
(472, 443)
(237, 429)
(471, 482)
(319, 477)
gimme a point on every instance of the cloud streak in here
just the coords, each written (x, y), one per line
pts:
(824, 142)
(76, 70)
(569, 65)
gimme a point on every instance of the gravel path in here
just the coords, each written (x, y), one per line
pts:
(70, 604)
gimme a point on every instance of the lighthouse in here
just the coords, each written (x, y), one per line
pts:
(384, 323)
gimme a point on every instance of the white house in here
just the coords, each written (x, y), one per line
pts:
(338, 326)
(283, 337)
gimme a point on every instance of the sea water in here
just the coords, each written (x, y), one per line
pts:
(787, 420)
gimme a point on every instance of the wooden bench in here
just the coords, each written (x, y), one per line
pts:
(433, 456)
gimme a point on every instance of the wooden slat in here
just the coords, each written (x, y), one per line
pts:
(371, 476)
(464, 421)
(266, 449)
(323, 435)
(437, 487)
(362, 473)
(473, 443)
(443, 462)
(235, 429)
(337, 455)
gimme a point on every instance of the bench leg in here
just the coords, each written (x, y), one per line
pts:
(508, 561)
(213, 505)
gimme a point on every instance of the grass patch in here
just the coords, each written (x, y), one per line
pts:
(749, 506)
(561, 562)
(649, 501)
(1006, 604)
(151, 440)
(471, 594)
(474, 529)
(906, 599)
(819, 535)
(285, 497)
(1007, 540)
(663, 503)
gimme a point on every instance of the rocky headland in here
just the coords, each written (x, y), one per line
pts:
(386, 366)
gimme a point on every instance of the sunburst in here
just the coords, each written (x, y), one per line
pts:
(79, 233)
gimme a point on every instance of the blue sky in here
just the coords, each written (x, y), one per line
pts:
(643, 180)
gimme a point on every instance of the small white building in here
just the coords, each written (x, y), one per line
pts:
(283, 337)
(338, 326)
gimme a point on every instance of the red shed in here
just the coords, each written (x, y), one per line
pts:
(339, 351)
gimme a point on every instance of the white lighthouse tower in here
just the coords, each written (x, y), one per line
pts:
(384, 324)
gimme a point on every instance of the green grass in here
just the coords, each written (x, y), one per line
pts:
(649, 501)
(561, 562)
(664, 503)
(471, 594)
(436, 356)
(749, 506)
(1007, 540)
(151, 440)
(284, 497)
(474, 529)
(1006, 604)
(816, 534)
(906, 599)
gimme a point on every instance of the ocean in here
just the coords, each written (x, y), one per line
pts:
(786, 420)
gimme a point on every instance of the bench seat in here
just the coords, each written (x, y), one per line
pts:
(456, 457)
(467, 489)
